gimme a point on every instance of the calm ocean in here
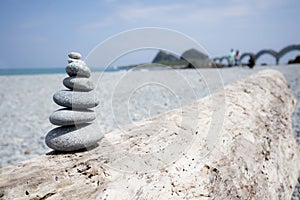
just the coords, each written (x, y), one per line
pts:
(12, 72)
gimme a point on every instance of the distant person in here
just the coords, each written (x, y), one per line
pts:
(231, 57)
(251, 61)
(236, 58)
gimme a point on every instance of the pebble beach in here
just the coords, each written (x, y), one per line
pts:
(125, 97)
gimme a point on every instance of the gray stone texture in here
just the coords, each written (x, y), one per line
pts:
(74, 99)
(74, 55)
(71, 138)
(78, 84)
(78, 68)
(66, 117)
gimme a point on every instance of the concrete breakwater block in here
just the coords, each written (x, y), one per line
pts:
(234, 144)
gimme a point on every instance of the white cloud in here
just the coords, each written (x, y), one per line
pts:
(137, 12)
(268, 4)
(182, 13)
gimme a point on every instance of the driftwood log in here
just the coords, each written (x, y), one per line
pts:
(235, 144)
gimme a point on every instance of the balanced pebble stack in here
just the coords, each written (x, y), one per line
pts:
(76, 129)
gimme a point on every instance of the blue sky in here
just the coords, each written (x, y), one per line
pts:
(40, 33)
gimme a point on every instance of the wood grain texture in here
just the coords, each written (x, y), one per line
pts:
(180, 154)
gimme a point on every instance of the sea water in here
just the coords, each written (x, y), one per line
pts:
(33, 71)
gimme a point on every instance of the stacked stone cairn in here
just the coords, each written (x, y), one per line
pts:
(76, 129)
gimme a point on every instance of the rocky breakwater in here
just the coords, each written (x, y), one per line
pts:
(76, 130)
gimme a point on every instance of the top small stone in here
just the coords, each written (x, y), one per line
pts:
(74, 55)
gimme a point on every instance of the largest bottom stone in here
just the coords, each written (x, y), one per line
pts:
(71, 138)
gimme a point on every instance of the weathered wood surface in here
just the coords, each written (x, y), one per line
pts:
(253, 156)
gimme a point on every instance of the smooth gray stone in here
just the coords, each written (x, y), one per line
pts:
(74, 55)
(66, 117)
(71, 60)
(78, 84)
(71, 138)
(78, 68)
(73, 99)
